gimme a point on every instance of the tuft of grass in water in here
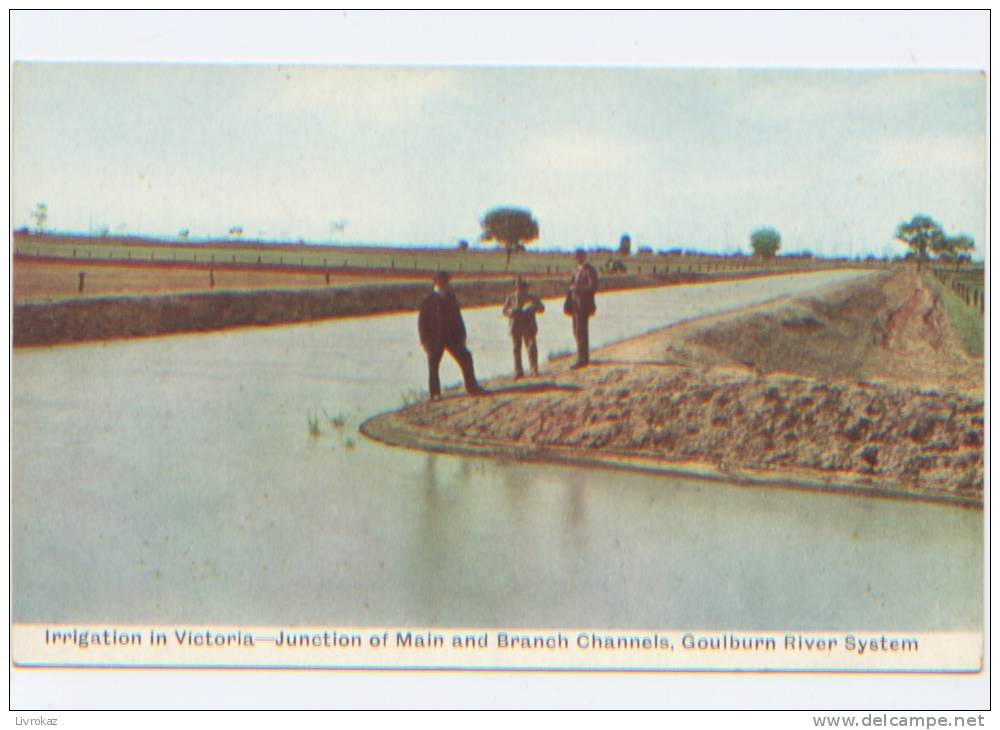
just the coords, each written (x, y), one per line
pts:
(409, 397)
(313, 422)
(966, 320)
(337, 421)
(557, 354)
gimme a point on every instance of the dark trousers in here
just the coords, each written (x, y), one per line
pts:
(531, 346)
(581, 331)
(462, 356)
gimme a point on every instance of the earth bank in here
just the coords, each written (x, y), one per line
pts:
(860, 387)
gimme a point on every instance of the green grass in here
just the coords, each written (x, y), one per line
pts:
(412, 396)
(337, 421)
(478, 259)
(967, 321)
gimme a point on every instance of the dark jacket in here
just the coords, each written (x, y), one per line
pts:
(582, 288)
(440, 322)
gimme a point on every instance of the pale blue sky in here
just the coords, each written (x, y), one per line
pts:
(683, 158)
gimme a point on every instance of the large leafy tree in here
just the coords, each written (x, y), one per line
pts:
(765, 242)
(511, 228)
(923, 235)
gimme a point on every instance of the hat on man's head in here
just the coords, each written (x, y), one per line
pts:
(520, 283)
(442, 277)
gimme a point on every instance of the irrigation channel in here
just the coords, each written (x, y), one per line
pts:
(174, 479)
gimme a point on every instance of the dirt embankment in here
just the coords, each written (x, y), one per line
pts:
(861, 387)
(101, 318)
(108, 318)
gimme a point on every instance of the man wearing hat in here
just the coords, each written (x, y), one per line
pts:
(580, 305)
(441, 328)
(520, 308)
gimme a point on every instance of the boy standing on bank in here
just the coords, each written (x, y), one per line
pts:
(520, 308)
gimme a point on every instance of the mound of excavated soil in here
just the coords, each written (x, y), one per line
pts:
(861, 386)
(893, 329)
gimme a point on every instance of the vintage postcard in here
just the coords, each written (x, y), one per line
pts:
(485, 368)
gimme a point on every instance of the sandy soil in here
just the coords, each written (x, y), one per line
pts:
(861, 387)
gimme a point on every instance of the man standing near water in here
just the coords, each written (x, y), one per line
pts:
(520, 308)
(580, 304)
(441, 328)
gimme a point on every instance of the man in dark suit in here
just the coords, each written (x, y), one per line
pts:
(441, 328)
(580, 302)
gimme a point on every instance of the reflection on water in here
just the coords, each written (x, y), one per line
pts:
(174, 479)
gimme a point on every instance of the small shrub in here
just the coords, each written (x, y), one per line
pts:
(313, 422)
(410, 397)
(337, 421)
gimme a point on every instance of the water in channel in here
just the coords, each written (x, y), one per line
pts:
(174, 479)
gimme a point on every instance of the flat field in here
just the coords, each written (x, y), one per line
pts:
(47, 266)
(47, 280)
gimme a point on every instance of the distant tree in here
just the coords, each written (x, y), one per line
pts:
(41, 216)
(954, 249)
(645, 251)
(625, 245)
(765, 242)
(236, 232)
(922, 234)
(509, 227)
(337, 227)
(463, 245)
(183, 234)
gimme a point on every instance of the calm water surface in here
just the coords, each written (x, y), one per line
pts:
(174, 480)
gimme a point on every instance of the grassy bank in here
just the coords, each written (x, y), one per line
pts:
(968, 323)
